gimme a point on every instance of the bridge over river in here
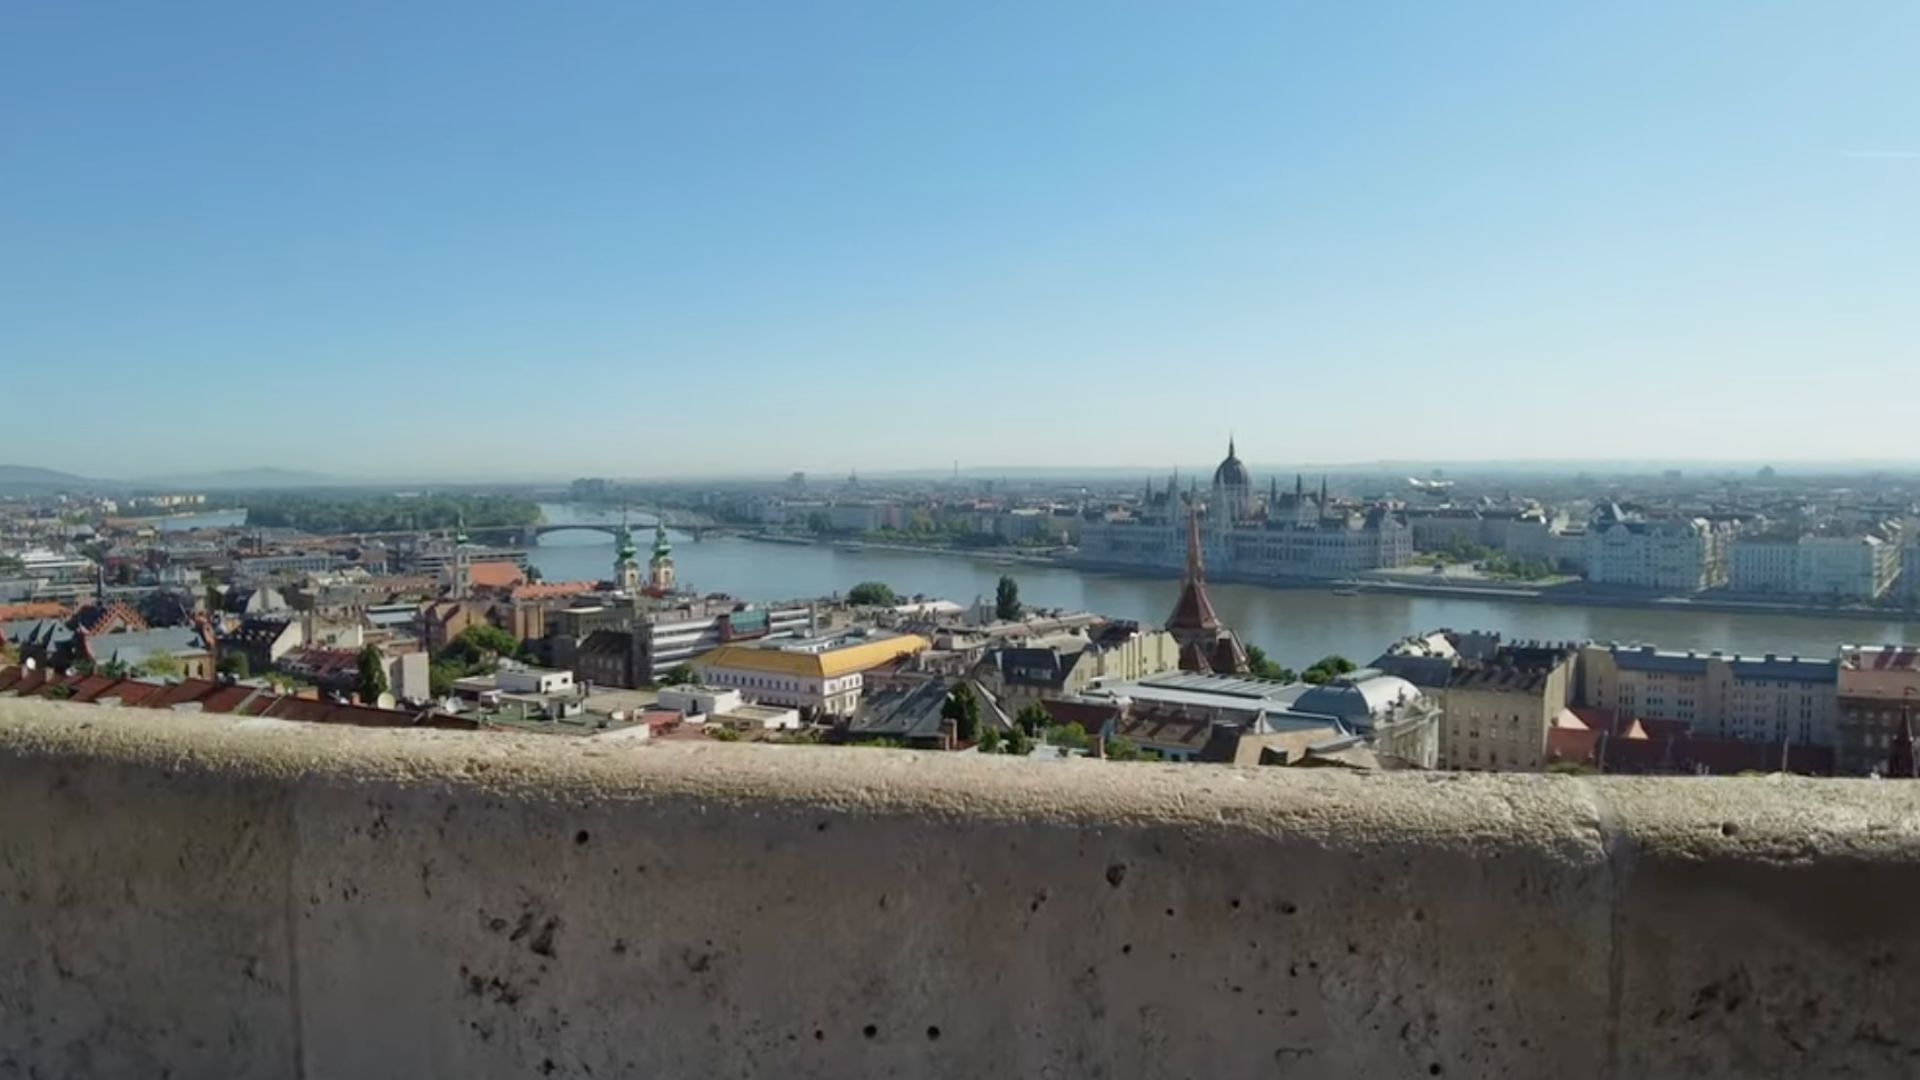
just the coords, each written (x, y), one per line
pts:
(696, 526)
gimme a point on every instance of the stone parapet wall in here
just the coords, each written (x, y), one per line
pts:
(192, 896)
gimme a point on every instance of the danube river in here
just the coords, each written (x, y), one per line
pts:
(1295, 626)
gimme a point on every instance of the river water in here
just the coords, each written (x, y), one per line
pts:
(1295, 626)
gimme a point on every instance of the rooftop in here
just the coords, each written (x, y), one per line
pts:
(816, 658)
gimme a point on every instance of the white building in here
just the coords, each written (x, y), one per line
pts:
(698, 702)
(1683, 554)
(674, 636)
(531, 680)
(824, 675)
(1836, 567)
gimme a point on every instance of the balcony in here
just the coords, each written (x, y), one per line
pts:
(196, 896)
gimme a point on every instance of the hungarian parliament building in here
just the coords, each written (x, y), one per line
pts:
(1295, 534)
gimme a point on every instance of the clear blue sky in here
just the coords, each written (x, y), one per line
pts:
(634, 238)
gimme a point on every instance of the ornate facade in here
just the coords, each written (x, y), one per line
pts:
(1295, 535)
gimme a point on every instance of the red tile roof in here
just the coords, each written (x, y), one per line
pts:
(99, 619)
(131, 691)
(181, 693)
(92, 687)
(37, 609)
(494, 574)
(228, 698)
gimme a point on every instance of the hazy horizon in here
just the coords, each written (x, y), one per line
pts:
(471, 240)
(1264, 472)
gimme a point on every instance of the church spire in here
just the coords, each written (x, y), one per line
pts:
(1299, 486)
(1323, 491)
(626, 569)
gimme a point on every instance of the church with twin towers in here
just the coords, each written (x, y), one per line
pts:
(1247, 533)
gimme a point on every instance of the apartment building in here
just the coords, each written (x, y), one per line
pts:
(1497, 713)
(1769, 699)
(1879, 694)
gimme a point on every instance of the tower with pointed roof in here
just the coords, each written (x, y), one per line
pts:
(626, 559)
(1205, 643)
(660, 566)
(462, 567)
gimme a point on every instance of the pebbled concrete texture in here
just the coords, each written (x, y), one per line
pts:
(191, 896)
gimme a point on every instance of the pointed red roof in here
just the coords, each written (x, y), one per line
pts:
(1193, 611)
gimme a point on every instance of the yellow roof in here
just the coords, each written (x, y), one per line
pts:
(825, 664)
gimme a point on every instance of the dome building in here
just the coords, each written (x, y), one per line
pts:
(1232, 490)
(1291, 537)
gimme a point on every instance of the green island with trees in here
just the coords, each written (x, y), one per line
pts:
(1488, 561)
(355, 513)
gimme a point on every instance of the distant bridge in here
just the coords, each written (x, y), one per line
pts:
(694, 527)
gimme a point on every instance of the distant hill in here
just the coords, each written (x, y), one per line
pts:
(26, 479)
(241, 478)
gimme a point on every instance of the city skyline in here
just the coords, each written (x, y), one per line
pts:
(337, 239)
(268, 476)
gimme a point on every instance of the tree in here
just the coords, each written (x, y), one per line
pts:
(964, 710)
(235, 663)
(113, 669)
(1259, 663)
(160, 664)
(440, 677)
(1071, 735)
(373, 675)
(1006, 598)
(1034, 719)
(1120, 749)
(722, 732)
(478, 646)
(1019, 743)
(819, 522)
(873, 593)
(990, 741)
(1325, 669)
(679, 675)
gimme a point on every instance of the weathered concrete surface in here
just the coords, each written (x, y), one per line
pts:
(190, 896)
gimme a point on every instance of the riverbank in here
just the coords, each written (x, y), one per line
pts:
(992, 555)
(1571, 594)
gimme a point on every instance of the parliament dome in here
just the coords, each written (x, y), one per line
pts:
(1231, 472)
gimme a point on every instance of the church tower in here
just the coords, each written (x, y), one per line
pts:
(462, 573)
(1206, 644)
(626, 561)
(660, 567)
